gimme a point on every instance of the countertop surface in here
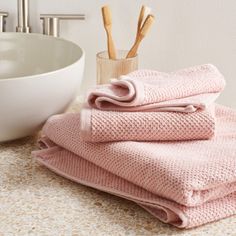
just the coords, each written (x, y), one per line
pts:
(35, 201)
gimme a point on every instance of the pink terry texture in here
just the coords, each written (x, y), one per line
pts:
(185, 183)
(185, 90)
(158, 106)
(106, 126)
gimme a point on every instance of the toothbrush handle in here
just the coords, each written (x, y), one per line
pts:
(133, 51)
(110, 46)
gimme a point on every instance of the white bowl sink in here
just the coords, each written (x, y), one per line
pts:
(39, 76)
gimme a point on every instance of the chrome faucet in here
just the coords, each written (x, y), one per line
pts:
(3, 15)
(23, 16)
(51, 22)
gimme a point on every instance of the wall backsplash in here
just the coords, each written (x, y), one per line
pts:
(186, 32)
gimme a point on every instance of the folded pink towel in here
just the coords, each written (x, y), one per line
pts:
(184, 97)
(185, 90)
(105, 126)
(186, 183)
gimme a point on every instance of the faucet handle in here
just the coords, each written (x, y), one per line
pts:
(51, 22)
(3, 16)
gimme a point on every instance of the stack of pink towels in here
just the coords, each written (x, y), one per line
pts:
(156, 139)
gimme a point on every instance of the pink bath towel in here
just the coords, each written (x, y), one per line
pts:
(186, 184)
(183, 91)
(105, 126)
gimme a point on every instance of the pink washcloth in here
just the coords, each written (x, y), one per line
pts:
(184, 91)
(105, 126)
(186, 183)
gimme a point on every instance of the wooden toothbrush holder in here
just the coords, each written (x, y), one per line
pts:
(114, 68)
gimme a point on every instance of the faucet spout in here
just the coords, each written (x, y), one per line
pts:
(23, 16)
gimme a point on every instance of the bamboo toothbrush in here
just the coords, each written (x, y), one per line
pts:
(142, 33)
(106, 14)
(144, 12)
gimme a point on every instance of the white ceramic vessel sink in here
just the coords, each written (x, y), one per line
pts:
(39, 76)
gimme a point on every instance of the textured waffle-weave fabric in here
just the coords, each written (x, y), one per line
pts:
(187, 183)
(185, 90)
(106, 126)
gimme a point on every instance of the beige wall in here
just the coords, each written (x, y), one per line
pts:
(186, 32)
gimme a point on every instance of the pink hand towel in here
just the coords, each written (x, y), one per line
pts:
(106, 126)
(186, 183)
(184, 91)
(184, 97)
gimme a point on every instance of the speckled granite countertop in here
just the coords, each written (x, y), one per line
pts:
(35, 201)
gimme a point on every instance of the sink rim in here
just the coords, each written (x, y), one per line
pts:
(50, 72)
